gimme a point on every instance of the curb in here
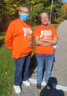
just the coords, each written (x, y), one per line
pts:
(56, 86)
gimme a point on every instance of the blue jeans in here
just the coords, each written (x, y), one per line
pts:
(41, 59)
(19, 67)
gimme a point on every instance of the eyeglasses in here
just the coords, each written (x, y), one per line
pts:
(25, 12)
(44, 17)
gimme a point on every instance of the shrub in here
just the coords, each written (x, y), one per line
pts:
(58, 20)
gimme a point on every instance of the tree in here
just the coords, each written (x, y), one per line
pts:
(9, 10)
(65, 11)
(36, 7)
(57, 8)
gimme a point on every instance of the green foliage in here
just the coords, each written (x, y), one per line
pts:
(36, 7)
(58, 20)
(57, 9)
(35, 11)
(9, 10)
(10, 6)
(55, 25)
(65, 10)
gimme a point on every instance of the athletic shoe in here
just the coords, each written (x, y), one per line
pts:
(38, 85)
(17, 89)
(26, 83)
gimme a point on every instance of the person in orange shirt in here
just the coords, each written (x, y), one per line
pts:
(45, 38)
(19, 39)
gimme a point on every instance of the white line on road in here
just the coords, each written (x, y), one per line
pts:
(60, 87)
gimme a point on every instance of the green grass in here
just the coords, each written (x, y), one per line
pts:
(6, 71)
(7, 67)
(55, 25)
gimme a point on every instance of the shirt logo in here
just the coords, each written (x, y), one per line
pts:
(27, 32)
(45, 33)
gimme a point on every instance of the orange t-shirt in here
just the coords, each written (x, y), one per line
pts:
(47, 32)
(19, 38)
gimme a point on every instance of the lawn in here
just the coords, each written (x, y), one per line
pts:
(7, 67)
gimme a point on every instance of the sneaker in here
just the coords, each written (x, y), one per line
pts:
(17, 89)
(26, 83)
(49, 86)
(38, 85)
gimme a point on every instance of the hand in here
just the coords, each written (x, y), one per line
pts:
(43, 39)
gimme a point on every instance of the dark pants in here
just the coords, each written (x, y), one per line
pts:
(19, 67)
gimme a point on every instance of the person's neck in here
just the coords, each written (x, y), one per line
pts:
(44, 25)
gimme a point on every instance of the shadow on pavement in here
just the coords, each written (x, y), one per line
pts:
(33, 65)
(51, 92)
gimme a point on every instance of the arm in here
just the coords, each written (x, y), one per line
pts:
(41, 42)
(9, 37)
(51, 42)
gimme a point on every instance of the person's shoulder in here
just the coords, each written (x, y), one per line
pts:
(14, 21)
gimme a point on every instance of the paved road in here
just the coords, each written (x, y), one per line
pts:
(59, 72)
(60, 66)
(32, 91)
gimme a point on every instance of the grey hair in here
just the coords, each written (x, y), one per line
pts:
(46, 13)
(22, 7)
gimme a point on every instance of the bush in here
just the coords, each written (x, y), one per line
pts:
(65, 17)
(58, 20)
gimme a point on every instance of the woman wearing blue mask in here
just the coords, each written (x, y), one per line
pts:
(24, 13)
(19, 39)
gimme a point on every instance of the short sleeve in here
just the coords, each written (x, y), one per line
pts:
(36, 32)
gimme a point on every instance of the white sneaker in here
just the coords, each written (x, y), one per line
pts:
(26, 83)
(17, 89)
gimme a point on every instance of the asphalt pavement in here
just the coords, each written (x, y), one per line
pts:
(60, 66)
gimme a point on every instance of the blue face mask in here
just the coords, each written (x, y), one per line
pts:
(24, 17)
